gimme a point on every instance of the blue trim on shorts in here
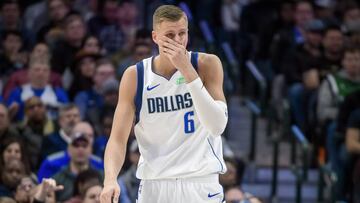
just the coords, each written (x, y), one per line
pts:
(139, 91)
(212, 149)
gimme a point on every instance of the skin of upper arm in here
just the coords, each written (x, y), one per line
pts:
(352, 140)
(212, 75)
(125, 109)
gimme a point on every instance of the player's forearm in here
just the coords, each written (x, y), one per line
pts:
(113, 159)
(212, 114)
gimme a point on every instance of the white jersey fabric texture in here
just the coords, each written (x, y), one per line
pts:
(172, 142)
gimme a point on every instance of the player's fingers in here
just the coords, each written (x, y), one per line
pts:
(116, 195)
(59, 187)
(169, 45)
(169, 51)
(106, 194)
(171, 41)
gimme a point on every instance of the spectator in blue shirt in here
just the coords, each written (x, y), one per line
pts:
(56, 162)
(79, 150)
(93, 98)
(69, 116)
(39, 72)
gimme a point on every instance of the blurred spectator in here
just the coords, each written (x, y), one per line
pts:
(107, 16)
(84, 70)
(112, 38)
(110, 93)
(20, 77)
(87, 188)
(92, 194)
(297, 61)
(129, 178)
(79, 150)
(353, 147)
(286, 40)
(128, 20)
(333, 43)
(230, 178)
(57, 11)
(34, 129)
(235, 195)
(140, 51)
(84, 180)
(45, 191)
(13, 148)
(230, 18)
(87, 8)
(303, 96)
(7, 200)
(91, 44)
(13, 57)
(69, 116)
(324, 10)
(350, 14)
(11, 20)
(65, 49)
(24, 190)
(93, 98)
(338, 156)
(36, 16)
(284, 21)
(103, 136)
(11, 175)
(142, 36)
(52, 97)
(338, 85)
(6, 129)
(55, 162)
(351, 102)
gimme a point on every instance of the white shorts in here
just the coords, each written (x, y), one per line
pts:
(189, 190)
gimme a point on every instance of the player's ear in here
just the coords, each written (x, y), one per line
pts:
(154, 37)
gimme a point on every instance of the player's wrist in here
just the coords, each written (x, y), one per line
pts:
(111, 181)
(189, 73)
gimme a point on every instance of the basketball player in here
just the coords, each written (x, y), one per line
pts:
(180, 113)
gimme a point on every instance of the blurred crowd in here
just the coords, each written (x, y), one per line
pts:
(61, 62)
(310, 57)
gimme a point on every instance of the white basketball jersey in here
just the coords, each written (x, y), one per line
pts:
(172, 141)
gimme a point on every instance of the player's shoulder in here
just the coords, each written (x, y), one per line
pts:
(128, 81)
(208, 62)
(206, 59)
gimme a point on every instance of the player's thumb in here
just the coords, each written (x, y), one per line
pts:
(116, 195)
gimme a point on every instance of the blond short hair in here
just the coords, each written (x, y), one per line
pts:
(167, 13)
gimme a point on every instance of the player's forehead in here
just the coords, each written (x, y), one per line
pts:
(172, 26)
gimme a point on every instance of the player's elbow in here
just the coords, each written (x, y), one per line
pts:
(218, 128)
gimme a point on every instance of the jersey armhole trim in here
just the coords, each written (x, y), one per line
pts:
(194, 60)
(139, 90)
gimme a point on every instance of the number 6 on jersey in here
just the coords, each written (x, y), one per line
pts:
(189, 125)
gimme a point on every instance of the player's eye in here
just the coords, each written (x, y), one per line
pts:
(170, 35)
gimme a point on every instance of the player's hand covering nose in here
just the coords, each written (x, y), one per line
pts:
(212, 112)
(176, 52)
(110, 193)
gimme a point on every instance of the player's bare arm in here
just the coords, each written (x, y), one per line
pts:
(212, 75)
(116, 146)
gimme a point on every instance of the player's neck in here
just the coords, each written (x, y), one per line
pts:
(163, 67)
